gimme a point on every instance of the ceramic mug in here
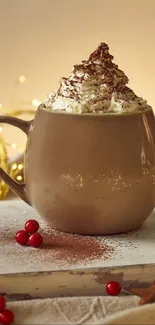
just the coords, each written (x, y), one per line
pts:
(88, 173)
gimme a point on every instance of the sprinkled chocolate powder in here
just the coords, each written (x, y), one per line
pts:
(74, 248)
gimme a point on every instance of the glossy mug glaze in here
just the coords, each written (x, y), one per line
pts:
(88, 173)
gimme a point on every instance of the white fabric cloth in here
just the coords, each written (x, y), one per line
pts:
(137, 316)
(81, 310)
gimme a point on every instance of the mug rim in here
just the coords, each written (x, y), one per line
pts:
(64, 113)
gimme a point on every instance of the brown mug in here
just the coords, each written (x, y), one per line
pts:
(88, 173)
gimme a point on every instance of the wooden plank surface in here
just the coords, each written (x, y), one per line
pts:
(29, 272)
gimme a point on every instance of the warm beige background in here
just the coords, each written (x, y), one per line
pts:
(42, 39)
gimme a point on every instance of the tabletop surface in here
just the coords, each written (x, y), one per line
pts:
(69, 252)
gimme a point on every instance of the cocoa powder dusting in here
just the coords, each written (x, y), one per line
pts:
(74, 248)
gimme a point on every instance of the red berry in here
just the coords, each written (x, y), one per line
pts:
(31, 226)
(22, 237)
(113, 288)
(35, 240)
(2, 303)
(6, 317)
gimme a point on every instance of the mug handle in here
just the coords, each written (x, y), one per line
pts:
(18, 189)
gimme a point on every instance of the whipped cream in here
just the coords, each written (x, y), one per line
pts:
(96, 85)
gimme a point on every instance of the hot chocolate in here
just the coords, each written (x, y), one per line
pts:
(96, 85)
(90, 173)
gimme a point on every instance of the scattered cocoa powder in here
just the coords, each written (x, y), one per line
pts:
(74, 248)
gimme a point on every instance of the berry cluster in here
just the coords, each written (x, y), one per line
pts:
(30, 235)
(6, 315)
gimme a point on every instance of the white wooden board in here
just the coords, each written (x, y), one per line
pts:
(27, 272)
